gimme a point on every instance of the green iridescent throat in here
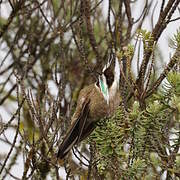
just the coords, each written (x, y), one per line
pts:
(103, 88)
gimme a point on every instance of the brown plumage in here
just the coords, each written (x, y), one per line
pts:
(91, 107)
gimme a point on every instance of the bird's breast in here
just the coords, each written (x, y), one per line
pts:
(99, 107)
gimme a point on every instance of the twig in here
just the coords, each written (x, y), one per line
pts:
(17, 8)
(15, 137)
(170, 65)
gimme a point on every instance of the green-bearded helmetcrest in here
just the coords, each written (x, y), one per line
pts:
(95, 101)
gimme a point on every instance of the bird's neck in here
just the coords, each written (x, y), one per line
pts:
(115, 86)
(113, 89)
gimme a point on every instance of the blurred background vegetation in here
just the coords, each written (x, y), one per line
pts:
(51, 49)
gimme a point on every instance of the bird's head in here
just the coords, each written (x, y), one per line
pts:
(109, 78)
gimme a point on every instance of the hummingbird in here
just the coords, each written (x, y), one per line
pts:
(96, 101)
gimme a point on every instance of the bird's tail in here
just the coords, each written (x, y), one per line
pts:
(75, 133)
(68, 142)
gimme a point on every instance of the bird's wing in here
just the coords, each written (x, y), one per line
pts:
(83, 120)
(88, 129)
(75, 132)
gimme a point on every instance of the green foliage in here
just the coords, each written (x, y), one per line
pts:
(146, 38)
(135, 144)
(146, 35)
(3, 21)
(129, 51)
(174, 81)
(56, 5)
(175, 40)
